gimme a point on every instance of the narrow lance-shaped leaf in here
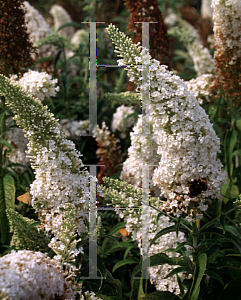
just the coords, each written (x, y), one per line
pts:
(7, 200)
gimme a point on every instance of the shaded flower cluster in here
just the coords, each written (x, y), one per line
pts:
(148, 11)
(227, 30)
(108, 152)
(15, 46)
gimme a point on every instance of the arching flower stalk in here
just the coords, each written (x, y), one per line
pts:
(189, 171)
(57, 163)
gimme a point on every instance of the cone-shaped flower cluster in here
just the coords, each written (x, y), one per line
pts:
(189, 171)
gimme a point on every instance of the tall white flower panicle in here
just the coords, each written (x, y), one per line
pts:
(37, 84)
(119, 121)
(206, 9)
(143, 151)
(38, 28)
(189, 171)
(62, 17)
(57, 163)
(227, 28)
(31, 275)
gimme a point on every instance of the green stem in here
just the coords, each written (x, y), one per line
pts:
(195, 235)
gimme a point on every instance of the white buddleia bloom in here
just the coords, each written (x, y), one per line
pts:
(74, 129)
(32, 275)
(201, 87)
(38, 28)
(119, 121)
(143, 151)
(57, 164)
(201, 57)
(206, 9)
(62, 17)
(81, 36)
(37, 84)
(227, 28)
(189, 171)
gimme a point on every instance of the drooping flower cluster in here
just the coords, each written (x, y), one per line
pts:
(202, 59)
(37, 84)
(120, 121)
(57, 164)
(127, 203)
(31, 275)
(189, 171)
(38, 28)
(108, 151)
(61, 17)
(81, 36)
(15, 45)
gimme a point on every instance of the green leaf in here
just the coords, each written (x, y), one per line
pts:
(108, 293)
(56, 60)
(73, 24)
(7, 199)
(226, 262)
(214, 275)
(137, 291)
(162, 258)
(123, 263)
(163, 232)
(230, 191)
(178, 270)
(160, 296)
(5, 143)
(232, 290)
(222, 222)
(200, 267)
(229, 143)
